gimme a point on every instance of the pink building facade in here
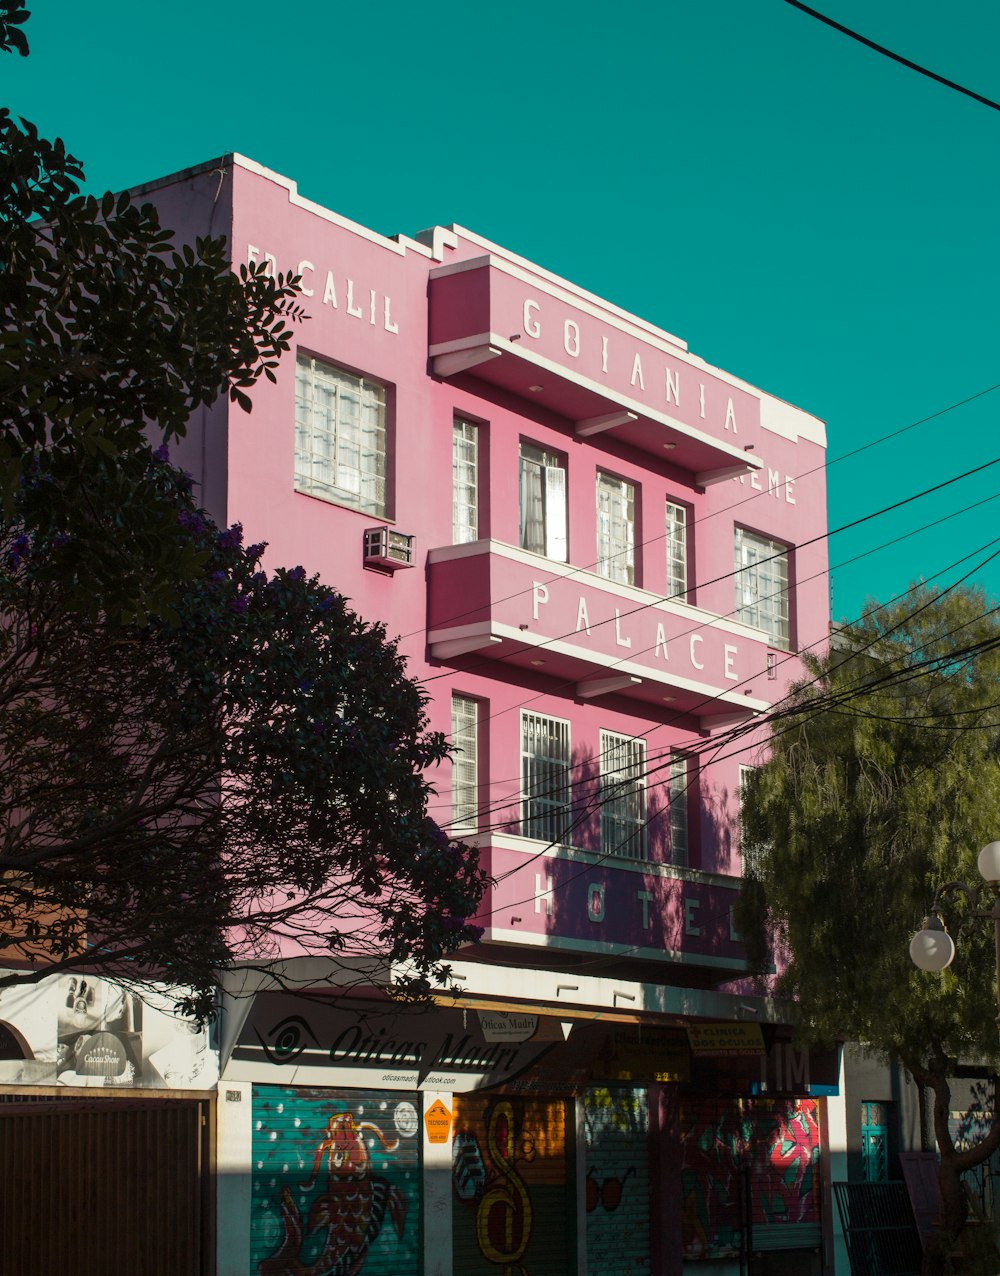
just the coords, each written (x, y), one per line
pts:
(602, 556)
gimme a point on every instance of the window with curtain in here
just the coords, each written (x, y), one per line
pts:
(615, 529)
(543, 502)
(340, 436)
(623, 796)
(546, 792)
(464, 481)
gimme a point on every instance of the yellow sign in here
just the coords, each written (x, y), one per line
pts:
(725, 1038)
(437, 1119)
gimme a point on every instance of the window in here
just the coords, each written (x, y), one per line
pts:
(677, 567)
(543, 502)
(339, 436)
(464, 766)
(464, 482)
(615, 529)
(545, 785)
(623, 796)
(762, 585)
(679, 795)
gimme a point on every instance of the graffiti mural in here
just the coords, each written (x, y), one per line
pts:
(753, 1163)
(509, 1181)
(336, 1183)
(616, 1124)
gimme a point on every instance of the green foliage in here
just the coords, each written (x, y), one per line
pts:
(241, 782)
(883, 785)
(112, 334)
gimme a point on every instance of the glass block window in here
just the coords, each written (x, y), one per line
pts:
(762, 585)
(543, 502)
(546, 792)
(623, 796)
(679, 793)
(340, 436)
(464, 482)
(464, 766)
(677, 569)
(615, 529)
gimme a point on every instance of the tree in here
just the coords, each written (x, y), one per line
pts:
(883, 781)
(110, 335)
(240, 781)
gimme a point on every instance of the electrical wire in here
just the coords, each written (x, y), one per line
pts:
(673, 718)
(896, 57)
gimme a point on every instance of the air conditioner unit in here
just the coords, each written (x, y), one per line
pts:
(388, 549)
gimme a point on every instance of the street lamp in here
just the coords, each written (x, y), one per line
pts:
(932, 948)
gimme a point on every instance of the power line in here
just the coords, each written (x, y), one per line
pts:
(674, 717)
(704, 518)
(896, 57)
(787, 707)
(486, 662)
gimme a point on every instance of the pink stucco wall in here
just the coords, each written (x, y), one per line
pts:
(386, 309)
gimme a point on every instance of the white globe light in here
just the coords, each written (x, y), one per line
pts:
(932, 948)
(989, 862)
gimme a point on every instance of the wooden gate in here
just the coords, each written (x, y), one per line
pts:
(90, 1187)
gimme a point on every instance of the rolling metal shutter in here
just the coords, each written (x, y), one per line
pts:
(618, 1222)
(335, 1181)
(91, 1188)
(511, 1186)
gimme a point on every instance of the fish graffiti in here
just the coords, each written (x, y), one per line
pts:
(349, 1211)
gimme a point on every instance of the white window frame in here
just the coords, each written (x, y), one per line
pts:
(762, 586)
(542, 501)
(615, 528)
(623, 795)
(546, 789)
(340, 436)
(677, 565)
(679, 796)
(464, 765)
(464, 481)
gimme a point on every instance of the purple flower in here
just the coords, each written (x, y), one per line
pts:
(162, 453)
(240, 604)
(217, 577)
(232, 537)
(253, 552)
(189, 519)
(297, 573)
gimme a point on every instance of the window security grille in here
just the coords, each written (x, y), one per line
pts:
(679, 798)
(623, 796)
(546, 794)
(464, 482)
(340, 436)
(464, 766)
(762, 585)
(677, 552)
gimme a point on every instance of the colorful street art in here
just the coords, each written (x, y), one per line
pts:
(616, 1124)
(509, 1179)
(336, 1183)
(759, 1158)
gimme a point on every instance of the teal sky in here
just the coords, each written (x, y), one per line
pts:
(804, 212)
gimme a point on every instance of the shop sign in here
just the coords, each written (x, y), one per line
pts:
(497, 1026)
(719, 1039)
(359, 1043)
